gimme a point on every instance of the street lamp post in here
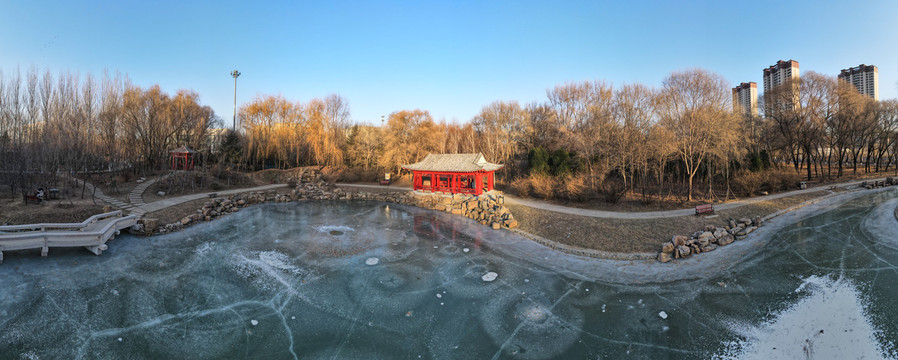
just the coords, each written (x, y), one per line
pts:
(235, 74)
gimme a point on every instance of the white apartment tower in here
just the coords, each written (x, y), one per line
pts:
(745, 99)
(865, 78)
(779, 73)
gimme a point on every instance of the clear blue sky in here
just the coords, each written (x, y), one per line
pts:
(449, 57)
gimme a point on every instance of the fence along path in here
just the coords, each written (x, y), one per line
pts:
(92, 234)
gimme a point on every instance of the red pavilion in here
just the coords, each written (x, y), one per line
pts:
(453, 173)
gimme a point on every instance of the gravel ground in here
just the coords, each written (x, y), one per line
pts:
(18, 213)
(629, 236)
(176, 212)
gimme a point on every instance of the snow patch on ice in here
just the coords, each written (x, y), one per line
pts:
(663, 315)
(329, 228)
(372, 261)
(490, 276)
(830, 323)
(204, 248)
(278, 260)
(254, 322)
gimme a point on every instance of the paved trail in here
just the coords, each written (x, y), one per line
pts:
(138, 207)
(543, 205)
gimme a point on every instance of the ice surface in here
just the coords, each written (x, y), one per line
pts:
(830, 323)
(226, 289)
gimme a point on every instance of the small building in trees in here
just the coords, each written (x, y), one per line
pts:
(182, 158)
(453, 173)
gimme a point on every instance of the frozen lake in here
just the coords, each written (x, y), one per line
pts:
(367, 280)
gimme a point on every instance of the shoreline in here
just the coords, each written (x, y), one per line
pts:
(274, 196)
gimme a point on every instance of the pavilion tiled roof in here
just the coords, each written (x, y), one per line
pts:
(181, 150)
(453, 163)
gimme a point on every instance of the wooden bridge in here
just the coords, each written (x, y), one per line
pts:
(92, 234)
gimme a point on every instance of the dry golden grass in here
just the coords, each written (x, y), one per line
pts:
(641, 235)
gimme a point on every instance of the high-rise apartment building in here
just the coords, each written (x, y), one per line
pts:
(745, 99)
(865, 78)
(779, 73)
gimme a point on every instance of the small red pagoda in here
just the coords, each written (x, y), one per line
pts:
(182, 158)
(453, 173)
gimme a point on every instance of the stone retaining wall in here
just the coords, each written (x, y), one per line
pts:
(487, 209)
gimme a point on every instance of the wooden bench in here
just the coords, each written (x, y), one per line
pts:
(706, 208)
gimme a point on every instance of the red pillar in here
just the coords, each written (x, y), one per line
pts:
(478, 181)
(489, 182)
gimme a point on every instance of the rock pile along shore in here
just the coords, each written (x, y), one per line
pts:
(487, 209)
(681, 247)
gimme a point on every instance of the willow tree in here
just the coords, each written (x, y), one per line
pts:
(408, 137)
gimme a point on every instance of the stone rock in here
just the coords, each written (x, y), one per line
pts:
(679, 240)
(667, 248)
(745, 221)
(496, 226)
(705, 235)
(683, 251)
(740, 232)
(749, 229)
(725, 240)
(150, 225)
(731, 222)
(161, 193)
(756, 221)
(664, 257)
(710, 247)
(705, 241)
(185, 220)
(709, 228)
(241, 202)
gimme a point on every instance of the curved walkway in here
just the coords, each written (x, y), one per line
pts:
(136, 195)
(164, 203)
(665, 213)
(544, 205)
(97, 193)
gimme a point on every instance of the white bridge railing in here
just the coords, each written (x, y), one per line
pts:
(92, 234)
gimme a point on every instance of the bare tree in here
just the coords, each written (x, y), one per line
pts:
(694, 105)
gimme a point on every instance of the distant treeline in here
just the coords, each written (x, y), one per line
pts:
(586, 140)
